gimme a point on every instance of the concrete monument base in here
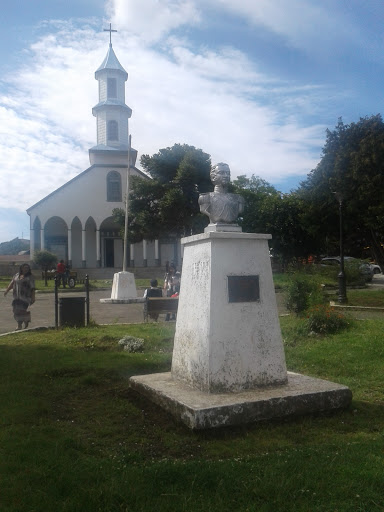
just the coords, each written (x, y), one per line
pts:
(124, 286)
(228, 336)
(199, 410)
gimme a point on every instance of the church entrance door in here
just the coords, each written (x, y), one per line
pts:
(109, 252)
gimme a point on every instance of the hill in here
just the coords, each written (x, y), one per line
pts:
(14, 246)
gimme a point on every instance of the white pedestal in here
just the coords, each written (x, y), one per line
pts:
(228, 364)
(124, 286)
(228, 336)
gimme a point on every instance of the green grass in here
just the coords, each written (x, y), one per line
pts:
(322, 276)
(366, 298)
(73, 436)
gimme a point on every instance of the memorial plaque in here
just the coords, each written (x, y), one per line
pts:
(243, 289)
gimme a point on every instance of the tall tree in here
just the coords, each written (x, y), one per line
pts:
(257, 194)
(269, 211)
(167, 203)
(352, 164)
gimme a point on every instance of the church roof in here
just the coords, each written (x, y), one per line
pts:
(112, 103)
(111, 62)
(121, 147)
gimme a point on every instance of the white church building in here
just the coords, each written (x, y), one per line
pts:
(75, 221)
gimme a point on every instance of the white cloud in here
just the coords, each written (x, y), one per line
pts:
(309, 25)
(152, 19)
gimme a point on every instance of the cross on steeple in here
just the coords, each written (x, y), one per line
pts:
(110, 33)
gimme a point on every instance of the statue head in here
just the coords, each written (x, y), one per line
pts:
(220, 174)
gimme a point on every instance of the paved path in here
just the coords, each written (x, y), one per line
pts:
(43, 310)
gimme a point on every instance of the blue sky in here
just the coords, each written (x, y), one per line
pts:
(254, 83)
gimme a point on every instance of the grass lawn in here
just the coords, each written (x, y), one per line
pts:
(74, 437)
(366, 298)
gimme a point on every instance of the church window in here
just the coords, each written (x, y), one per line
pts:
(111, 88)
(112, 130)
(114, 186)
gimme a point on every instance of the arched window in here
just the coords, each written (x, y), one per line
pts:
(112, 130)
(114, 186)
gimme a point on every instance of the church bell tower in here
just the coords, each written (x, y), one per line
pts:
(111, 112)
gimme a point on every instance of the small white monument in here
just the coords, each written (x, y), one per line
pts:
(228, 365)
(123, 286)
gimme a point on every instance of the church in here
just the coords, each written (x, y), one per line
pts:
(75, 221)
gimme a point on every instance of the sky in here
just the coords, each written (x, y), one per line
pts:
(254, 83)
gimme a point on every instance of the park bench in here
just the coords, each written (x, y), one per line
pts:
(158, 305)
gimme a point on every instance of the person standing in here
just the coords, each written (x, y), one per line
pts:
(171, 286)
(67, 273)
(23, 286)
(168, 280)
(60, 269)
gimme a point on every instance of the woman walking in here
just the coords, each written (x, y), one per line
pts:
(23, 286)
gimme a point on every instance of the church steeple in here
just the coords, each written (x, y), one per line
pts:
(111, 112)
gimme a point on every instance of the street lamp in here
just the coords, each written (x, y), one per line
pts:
(125, 251)
(342, 298)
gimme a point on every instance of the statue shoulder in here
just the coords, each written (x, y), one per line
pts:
(205, 198)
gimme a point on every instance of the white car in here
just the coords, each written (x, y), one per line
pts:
(376, 268)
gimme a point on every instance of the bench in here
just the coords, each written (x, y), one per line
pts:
(157, 305)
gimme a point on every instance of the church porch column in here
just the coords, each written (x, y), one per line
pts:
(132, 253)
(32, 243)
(83, 249)
(157, 253)
(69, 247)
(42, 244)
(98, 254)
(145, 259)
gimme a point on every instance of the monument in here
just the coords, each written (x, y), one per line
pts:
(228, 365)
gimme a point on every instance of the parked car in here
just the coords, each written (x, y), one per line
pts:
(365, 268)
(376, 268)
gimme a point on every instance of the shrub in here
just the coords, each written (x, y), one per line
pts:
(302, 292)
(353, 272)
(326, 320)
(132, 344)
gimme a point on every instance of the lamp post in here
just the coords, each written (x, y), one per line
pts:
(124, 286)
(127, 207)
(342, 298)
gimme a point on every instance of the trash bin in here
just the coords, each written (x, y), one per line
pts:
(72, 311)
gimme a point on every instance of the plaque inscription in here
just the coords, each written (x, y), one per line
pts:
(243, 289)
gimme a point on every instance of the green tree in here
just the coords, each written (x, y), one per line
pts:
(352, 164)
(45, 260)
(257, 193)
(281, 215)
(167, 203)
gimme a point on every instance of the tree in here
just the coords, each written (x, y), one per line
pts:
(167, 204)
(352, 164)
(269, 211)
(257, 194)
(45, 260)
